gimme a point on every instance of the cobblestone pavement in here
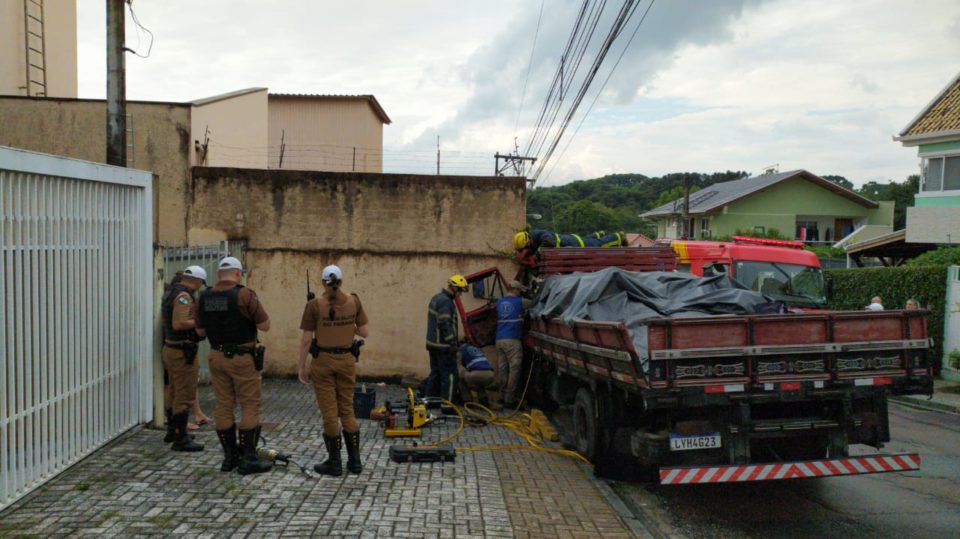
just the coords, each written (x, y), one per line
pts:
(136, 487)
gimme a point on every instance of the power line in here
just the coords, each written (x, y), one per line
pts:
(626, 12)
(523, 93)
(600, 91)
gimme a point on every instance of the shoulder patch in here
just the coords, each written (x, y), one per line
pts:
(184, 300)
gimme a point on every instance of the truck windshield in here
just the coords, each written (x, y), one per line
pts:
(795, 285)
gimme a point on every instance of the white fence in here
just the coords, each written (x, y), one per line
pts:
(77, 303)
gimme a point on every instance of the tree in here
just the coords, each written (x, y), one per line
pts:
(586, 216)
(902, 195)
(839, 180)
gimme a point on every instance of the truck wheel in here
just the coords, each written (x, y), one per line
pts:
(585, 423)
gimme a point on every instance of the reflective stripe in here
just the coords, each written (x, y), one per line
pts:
(579, 239)
(557, 236)
(511, 320)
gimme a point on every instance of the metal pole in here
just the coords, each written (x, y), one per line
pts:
(686, 208)
(438, 155)
(116, 85)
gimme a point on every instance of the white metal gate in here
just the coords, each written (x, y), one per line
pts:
(77, 303)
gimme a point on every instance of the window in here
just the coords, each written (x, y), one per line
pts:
(704, 228)
(941, 174)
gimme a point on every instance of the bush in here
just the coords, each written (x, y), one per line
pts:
(828, 252)
(770, 234)
(954, 358)
(941, 256)
(853, 288)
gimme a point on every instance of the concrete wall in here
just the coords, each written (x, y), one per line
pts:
(60, 40)
(160, 138)
(237, 130)
(334, 134)
(396, 237)
(933, 225)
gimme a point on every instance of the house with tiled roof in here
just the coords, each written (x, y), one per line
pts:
(935, 132)
(797, 204)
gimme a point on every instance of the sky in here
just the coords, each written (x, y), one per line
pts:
(703, 86)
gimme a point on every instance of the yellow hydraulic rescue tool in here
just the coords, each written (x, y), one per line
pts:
(417, 417)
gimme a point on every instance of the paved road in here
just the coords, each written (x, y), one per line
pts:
(915, 504)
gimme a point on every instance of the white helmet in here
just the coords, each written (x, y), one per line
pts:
(332, 273)
(230, 262)
(196, 272)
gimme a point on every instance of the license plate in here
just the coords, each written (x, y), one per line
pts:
(686, 443)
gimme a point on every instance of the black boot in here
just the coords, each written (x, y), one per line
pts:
(352, 439)
(231, 453)
(181, 440)
(168, 413)
(333, 465)
(249, 463)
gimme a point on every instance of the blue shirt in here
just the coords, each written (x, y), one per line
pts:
(473, 359)
(510, 317)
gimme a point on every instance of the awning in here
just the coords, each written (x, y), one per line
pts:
(891, 249)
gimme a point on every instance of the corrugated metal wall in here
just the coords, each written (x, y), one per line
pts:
(75, 351)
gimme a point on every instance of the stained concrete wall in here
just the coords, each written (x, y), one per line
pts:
(158, 141)
(396, 237)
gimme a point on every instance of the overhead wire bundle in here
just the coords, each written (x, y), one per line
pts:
(570, 85)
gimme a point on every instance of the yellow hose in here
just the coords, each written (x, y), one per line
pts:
(509, 422)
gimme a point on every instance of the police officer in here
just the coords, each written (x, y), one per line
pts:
(333, 319)
(180, 353)
(442, 339)
(230, 315)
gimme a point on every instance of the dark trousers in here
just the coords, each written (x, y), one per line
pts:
(443, 373)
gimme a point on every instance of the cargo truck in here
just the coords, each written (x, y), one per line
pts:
(727, 398)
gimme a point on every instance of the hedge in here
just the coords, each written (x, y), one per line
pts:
(853, 288)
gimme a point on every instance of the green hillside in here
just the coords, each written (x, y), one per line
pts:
(614, 202)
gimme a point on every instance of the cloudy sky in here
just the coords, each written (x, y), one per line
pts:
(704, 85)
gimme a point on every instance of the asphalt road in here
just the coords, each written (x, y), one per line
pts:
(924, 504)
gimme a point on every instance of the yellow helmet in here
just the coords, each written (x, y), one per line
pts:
(521, 240)
(457, 281)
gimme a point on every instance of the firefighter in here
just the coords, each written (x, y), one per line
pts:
(179, 354)
(442, 339)
(535, 239)
(230, 314)
(331, 321)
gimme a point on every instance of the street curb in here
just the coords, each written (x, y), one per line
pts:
(924, 404)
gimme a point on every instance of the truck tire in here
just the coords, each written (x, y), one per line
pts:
(585, 426)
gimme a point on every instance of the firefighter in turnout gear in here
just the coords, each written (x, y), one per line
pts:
(230, 315)
(442, 339)
(180, 338)
(535, 239)
(329, 324)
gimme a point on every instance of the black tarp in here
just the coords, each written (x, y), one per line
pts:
(616, 295)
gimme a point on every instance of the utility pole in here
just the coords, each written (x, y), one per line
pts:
(685, 217)
(283, 146)
(438, 155)
(510, 160)
(116, 85)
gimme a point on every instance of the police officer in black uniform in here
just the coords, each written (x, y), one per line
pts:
(230, 314)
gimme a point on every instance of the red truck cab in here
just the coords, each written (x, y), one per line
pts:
(780, 269)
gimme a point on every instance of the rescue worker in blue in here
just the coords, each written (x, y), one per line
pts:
(476, 374)
(442, 339)
(536, 238)
(510, 309)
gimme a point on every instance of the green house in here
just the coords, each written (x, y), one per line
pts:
(797, 204)
(935, 215)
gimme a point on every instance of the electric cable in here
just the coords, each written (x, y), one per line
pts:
(600, 91)
(139, 27)
(523, 93)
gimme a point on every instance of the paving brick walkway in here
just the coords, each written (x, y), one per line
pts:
(138, 487)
